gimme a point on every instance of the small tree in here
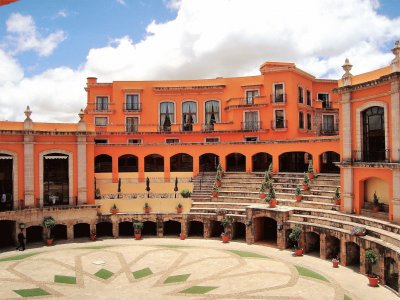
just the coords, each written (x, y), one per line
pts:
(310, 167)
(298, 191)
(137, 227)
(266, 176)
(371, 258)
(337, 193)
(271, 194)
(225, 222)
(270, 169)
(376, 200)
(294, 236)
(49, 223)
(185, 193)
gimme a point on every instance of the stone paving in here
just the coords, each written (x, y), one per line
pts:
(169, 268)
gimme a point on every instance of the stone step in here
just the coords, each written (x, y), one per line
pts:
(220, 204)
(238, 211)
(308, 204)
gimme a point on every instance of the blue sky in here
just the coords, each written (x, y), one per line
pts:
(49, 47)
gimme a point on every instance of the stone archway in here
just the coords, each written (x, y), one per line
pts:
(7, 236)
(172, 228)
(81, 230)
(104, 229)
(196, 228)
(239, 231)
(312, 243)
(265, 230)
(34, 234)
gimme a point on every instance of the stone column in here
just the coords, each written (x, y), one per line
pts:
(207, 229)
(249, 163)
(167, 169)
(343, 256)
(346, 127)
(322, 246)
(141, 169)
(196, 165)
(115, 228)
(29, 171)
(160, 227)
(363, 266)
(395, 112)
(396, 196)
(184, 227)
(347, 189)
(70, 232)
(114, 168)
(82, 188)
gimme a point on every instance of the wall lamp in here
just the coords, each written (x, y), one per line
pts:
(21, 226)
(279, 226)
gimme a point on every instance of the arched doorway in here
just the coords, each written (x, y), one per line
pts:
(196, 228)
(239, 231)
(296, 162)
(373, 134)
(352, 254)
(55, 179)
(265, 230)
(127, 163)
(391, 274)
(216, 229)
(125, 228)
(149, 228)
(312, 243)
(7, 236)
(372, 186)
(104, 229)
(154, 163)
(34, 234)
(181, 162)
(261, 161)
(6, 181)
(208, 162)
(59, 232)
(103, 163)
(332, 247)
(327, 160)
(81, 230)
(172, 228)
(236, 162)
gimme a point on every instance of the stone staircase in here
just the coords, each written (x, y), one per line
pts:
(202, 187)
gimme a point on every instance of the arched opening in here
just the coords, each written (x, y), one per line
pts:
(239, 231)
(265, 230)
(261, 161)
(332, 247)
(296, 162)
(352, 254)
(236, 162)
(154, 163)
(59, 232)
(55, 179)
(172, 228)
(125, 229)
(312, 243)
(196, 228)
(327, 160)
(7, 236)
(127, 163)
(149, 228)
(216, 229)
(104, 229)
(208, 162)
(34, 234)
(374, 185)
(81, 230)
(181, 162)
(6, 182)
(391, 274)
(103, 163)
(373, 134)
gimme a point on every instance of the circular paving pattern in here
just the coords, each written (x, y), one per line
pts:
(173, 269)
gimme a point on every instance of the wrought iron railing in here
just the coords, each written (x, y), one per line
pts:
(251, 125)
(371, 156)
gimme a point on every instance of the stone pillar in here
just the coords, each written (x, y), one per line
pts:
(29, 171)
(167, 169)
(396, 196)
(70, 232)
(141, 175)
(249, 163)
(207, 229)
(346, 127)
(347, 190)
(196, 165)
(81, 161)
(114, 168)
(222, 161)
(363, 265)
(343, 256)
(395, 112)
(184, 227)
(115, 228)
(275, 163)
(322, 246)
(160, 227)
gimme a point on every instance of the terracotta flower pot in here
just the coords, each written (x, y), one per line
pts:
(272, 203)
(306, 187)
(179, 210)
(375, 209)
(225, 238)
(49, 242)
(373, 281)
(262, 195)
(298, 198)
(214, 193)
(182, 236)
(138, 236)
(337, 201)
(146, 210)
(114, 211)
(218, 183)
(92, 237)
(311, 175)
(335, 263)
(298, 252)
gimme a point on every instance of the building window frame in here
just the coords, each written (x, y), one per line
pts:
(193, 115)
(102, 102)
(100, 117)
(162, 127)
(325, 104)
(249, 99)
(132, 127)
(301, 120)
(172, 140)
(129, 141)
(308, 97)
(281, 122)
(300, 94)
(131, 105)
(207, 139)
(282, 97)
(309, 121)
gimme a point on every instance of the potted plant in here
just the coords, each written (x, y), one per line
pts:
(185, 193)
(179, 208)
(336, 197)
(93, 235)
(297, 194)
(97, 194)
(215, 190)
(220, 170)
(114, 209)
(375, 200)
(49, 223)
(225, 222)
(294, 238)
(182, 236)
(270, 171)
(306, 182)
(137, 228)
(262, 190)
(310, 170)
(266, 176)
(218, 180)
(146, 208)
(335, 262)
(371, 258)
(271, 197)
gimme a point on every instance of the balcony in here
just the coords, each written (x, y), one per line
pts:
(371, 156)
(207, 127)
(164, 128)
(251, 125)
(243, 102)
(130, 128)
(332, 129)
(132, 107)
(277, 99)
(279, 125)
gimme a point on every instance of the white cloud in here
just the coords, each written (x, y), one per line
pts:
(122, 2)
(63, 13)
(23, 36)
(211, 38)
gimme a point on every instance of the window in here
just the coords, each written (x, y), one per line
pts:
(212, 114)
(324, 98)
(212, 140)
(132, 102)
(300, 95)
(100, 121)
(328, 123)
(131, 124)
(251, 121)
(250, 96)
(189, 115)
(167, 115)
(100, 141)
(250, 139)
(309, 126)
(102, 103)
(172, 141)
(279, 95)
(279, 119)
(134, 141)
(308, 97)
(301, 120)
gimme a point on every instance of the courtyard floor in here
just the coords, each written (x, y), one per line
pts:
(168, 268)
